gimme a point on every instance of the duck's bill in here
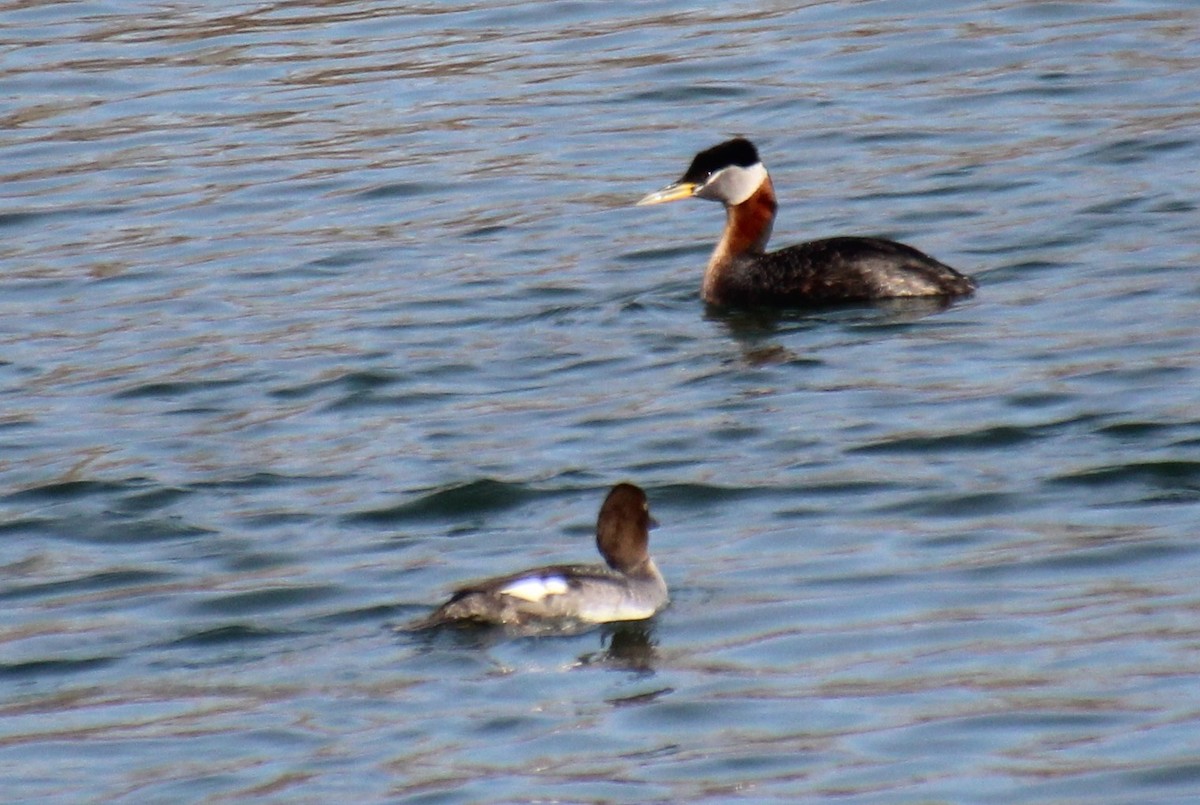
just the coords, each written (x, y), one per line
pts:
(670, 193)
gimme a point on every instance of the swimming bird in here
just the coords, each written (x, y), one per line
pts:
(628, 587)
(841, 269)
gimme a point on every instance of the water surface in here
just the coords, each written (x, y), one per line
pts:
(309, 312)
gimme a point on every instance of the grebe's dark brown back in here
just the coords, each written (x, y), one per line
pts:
(843, 269)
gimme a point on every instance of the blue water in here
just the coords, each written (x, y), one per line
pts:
(309, 312)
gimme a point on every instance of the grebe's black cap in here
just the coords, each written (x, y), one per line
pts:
(738, 151)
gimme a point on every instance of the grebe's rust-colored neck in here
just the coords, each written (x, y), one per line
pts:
(747, 230)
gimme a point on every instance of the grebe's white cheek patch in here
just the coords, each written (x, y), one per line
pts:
(734, 184)
(534, 589)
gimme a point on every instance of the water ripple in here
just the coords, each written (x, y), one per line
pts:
(312, 312)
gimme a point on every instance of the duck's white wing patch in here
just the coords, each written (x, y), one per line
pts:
(535, 588)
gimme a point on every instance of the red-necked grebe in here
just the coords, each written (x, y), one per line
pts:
(843, 269)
